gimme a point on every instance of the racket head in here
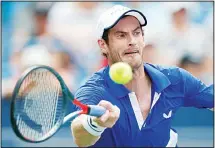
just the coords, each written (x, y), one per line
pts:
(31, 113)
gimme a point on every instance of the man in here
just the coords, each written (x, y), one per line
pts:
(140, 112)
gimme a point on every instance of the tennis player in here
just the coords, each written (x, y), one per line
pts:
(140, 112)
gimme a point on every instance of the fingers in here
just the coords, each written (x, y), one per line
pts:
(106, 105)
(109, 118)
(116, 112)
(105, 116)
(112, 108)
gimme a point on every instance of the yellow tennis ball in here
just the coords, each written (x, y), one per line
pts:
(120, 73)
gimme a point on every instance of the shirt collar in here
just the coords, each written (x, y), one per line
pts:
(159, 80)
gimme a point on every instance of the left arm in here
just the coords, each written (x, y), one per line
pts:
(196, 93)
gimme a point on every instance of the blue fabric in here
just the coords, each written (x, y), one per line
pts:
(178, 88)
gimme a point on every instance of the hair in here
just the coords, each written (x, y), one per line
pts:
(105, 36)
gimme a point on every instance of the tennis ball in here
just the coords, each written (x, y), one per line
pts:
(120, 73)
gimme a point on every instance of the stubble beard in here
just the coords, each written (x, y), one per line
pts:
(115, 57)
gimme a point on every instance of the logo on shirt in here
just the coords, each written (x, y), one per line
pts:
(167, 115)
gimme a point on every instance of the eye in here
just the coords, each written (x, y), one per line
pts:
(121, 35)
(137, 33)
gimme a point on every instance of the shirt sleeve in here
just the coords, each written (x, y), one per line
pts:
(89, 94)
(196, 93)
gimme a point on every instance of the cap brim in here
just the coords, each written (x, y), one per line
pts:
(139, 15)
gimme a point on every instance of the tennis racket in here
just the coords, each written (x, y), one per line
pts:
(38, 105)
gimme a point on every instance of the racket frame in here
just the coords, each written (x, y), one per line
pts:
(65, 92)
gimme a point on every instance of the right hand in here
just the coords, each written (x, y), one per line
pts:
(81, 136)
(109, 118)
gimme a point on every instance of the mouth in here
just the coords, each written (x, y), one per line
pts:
(131, 52)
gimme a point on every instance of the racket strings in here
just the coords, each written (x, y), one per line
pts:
(38, 104)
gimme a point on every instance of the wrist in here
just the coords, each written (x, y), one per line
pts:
(92, 127)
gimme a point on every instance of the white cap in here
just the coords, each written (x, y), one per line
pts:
(111, 17)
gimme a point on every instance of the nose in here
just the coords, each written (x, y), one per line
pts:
(131, 41)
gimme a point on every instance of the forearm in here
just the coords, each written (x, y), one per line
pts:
(87, 130)
(80, 135)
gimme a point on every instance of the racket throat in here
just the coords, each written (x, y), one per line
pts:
(85, 108)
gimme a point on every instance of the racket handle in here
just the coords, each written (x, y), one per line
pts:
(96, 110)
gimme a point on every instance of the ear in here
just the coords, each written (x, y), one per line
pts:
(103, 46)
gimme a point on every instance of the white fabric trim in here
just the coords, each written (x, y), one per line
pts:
(156, 97)
(173, 139)
(136, 108)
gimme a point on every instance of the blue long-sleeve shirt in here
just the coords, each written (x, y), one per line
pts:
(172, 87)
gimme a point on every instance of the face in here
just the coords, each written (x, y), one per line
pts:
(126, 43)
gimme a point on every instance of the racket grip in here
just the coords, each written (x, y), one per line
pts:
(96, 110)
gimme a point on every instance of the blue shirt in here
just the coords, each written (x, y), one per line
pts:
(172, 87)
